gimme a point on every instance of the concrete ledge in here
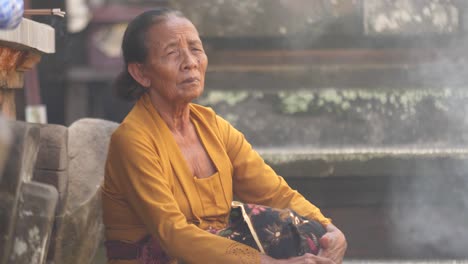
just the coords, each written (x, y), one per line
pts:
(279, 155)
(367, 162)
(31, 34)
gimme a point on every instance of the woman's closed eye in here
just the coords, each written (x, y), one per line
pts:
(171, 52)
(196, 49)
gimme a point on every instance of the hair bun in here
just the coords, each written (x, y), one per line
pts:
(127, 88)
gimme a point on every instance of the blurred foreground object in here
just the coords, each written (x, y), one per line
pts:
(26, 207)
(50, 211)
(20, 50)
(11, 13)
(78, 16)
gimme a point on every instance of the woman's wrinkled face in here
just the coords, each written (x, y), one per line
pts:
(177, 62)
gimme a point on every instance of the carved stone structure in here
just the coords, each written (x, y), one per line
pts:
(79, 223)
(51, 205)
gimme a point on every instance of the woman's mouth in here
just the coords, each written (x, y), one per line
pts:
(190, 80)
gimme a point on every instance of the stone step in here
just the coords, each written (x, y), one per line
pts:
(375, 177)
(358, 57)
(295, 77)
(402, 161)
(316, 69)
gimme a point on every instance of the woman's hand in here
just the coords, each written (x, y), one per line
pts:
(333, 244)
(304, 259)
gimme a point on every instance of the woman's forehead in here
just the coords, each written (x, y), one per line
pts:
(173, 29)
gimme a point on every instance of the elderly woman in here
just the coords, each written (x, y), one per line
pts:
(174, 167)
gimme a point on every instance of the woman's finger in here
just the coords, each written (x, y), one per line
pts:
(333, 245)
(326, 240)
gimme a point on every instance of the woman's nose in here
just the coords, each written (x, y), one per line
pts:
(189, 60)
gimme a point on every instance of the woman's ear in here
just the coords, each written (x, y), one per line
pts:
(137, 72)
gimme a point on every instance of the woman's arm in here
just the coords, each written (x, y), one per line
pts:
(133, 161)
(256, 182)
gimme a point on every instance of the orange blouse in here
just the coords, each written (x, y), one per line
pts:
(148, 187)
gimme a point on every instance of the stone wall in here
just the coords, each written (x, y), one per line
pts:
(333, 117)
(259, 18)
(272, 18)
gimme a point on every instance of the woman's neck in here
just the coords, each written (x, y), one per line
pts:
(176, 115)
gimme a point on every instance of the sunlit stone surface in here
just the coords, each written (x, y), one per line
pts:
(410, 17)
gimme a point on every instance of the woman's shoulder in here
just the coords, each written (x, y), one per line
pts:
(204, 112)
(131, 129)
(124, 136)
(135, 123)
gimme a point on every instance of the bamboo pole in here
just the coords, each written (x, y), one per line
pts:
(44, 12)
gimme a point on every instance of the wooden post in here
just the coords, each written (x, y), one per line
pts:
(8, 106)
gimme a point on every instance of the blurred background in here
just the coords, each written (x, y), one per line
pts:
(360, 104)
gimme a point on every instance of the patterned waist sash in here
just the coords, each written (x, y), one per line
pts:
(146, 251)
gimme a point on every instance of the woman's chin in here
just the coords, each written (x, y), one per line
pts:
(192, 93)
